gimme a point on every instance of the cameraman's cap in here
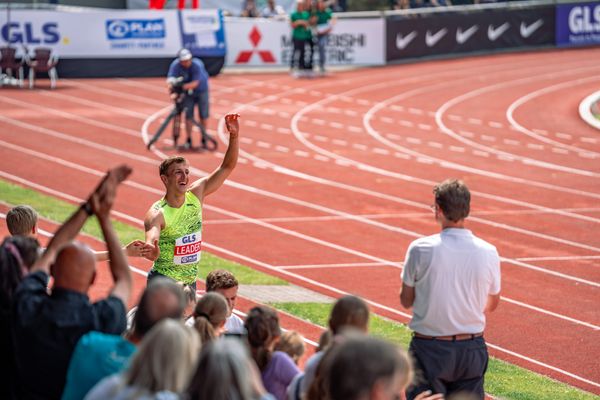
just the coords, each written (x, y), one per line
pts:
(185, 55)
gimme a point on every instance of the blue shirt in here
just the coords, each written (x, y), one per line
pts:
(196, 72)
(96, 356)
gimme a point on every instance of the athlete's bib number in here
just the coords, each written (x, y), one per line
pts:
(187, 249)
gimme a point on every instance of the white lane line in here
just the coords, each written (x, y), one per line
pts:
(267, 127)
(435, 145)
(283, 149)
(535, 146)
(401, 155)
(530, 161)
(378, 150)
(425, 127)
(355, 129)
(264, 145)
(387, 120)
(336, 125)
(456, 166)
(559, 258)
(246, 140)
(340, 142)
(457, 149)
(285, 131)
(359, 146)
(588, 140)
(321, 266)
(413, 140)
(318, 121)
(559, 150)
(319, 157)
(321, 138)
(455, 118)
(466, 134)
(496, 125)
(488, 138)
(415, 111)
(545, 90)
(301, 153)
(474, 121)
(405, 123)
(250, 122)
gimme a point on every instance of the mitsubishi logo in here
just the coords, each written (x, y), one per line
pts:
(245, 55)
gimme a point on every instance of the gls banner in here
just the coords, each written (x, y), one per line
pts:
(262, 42)
(578, 24)
(479, 30)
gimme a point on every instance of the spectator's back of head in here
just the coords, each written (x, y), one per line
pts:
(165, 359)
(364, 368)
(163, 298)
(17, 255)
(220, 279)
(291, 343)
(74, 268)
(225, 371)
(262, 325)
(210, 315)
(22, 220)
(454, 199)
(349, 312)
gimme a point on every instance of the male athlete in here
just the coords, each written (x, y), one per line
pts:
(174, 223)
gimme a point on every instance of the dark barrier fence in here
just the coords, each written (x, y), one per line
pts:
(433, 34)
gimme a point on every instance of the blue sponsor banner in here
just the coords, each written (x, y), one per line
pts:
(202, 32)
(119, 29)
(578, 24)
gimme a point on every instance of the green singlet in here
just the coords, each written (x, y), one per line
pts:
(180, 240)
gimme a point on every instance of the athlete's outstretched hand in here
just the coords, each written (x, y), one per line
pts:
(233, 126)
(152, 251)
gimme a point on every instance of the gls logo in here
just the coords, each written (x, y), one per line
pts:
(29, 33)
(189, 239)
(135, 29)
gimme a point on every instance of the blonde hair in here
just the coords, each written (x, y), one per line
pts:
(20, 220)
(292, 343)
(165, 359)
(210, 314)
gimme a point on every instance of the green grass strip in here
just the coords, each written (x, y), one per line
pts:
(58, 210)
(503, 380)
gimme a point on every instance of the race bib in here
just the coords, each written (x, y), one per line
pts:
(187, 249)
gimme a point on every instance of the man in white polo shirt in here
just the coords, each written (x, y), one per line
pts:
(450, 280)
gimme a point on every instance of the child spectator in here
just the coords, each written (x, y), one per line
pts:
(223, 282)
(210, 315)
(292, 343)
(277, 368)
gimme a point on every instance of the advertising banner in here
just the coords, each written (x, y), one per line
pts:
(578, 24)
(261, 42)
(112, 34)
(431, 34)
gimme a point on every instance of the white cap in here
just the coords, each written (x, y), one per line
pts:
(185, 55)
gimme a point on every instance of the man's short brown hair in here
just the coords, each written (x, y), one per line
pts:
(20, 220)
(220, 279)
(164, 166)
(454, 199)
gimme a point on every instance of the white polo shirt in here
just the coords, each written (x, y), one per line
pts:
(453, 273)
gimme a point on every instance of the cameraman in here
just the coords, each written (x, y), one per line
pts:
(195, 90)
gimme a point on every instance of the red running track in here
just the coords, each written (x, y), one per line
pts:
(335, 179)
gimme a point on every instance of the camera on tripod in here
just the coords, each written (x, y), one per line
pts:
(178, 94)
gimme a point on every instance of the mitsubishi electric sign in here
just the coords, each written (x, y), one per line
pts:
(578, 24)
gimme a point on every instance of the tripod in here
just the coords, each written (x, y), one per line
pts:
(208, 142)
